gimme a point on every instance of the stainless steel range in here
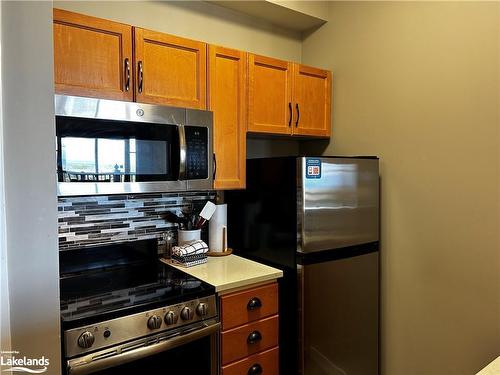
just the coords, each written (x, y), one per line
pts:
(123, 311)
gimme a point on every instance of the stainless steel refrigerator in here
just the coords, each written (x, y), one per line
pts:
(316, 218)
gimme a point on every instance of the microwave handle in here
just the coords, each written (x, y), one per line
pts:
(182, 152)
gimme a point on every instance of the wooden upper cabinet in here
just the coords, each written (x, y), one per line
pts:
(269, 95)
(312, 101)
(227, 99)
(92, 56)
(170, 70)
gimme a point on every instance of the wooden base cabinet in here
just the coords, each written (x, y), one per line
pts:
(249, 337)
(228, 100)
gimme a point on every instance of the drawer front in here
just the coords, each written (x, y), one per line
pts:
(265, 363)
(249, 339)
(249, 305)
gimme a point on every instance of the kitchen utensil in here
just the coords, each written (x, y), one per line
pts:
(184, 236)
(206, 214)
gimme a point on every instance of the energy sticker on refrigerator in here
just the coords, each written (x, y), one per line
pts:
(313, 168)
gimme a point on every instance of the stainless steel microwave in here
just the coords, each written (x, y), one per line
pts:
(115, 147)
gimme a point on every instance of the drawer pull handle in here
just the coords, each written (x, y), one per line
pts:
(254, 303)
(256, 369)
(254, 337)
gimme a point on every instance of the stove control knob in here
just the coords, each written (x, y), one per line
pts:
(170, 318)
(186, 313)
(86, 340)
(202, 309)
(154, 322)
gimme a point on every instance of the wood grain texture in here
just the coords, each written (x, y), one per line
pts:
(234, 345)
(234, 311)
(268, 360)
(174, 69)
(269, 95)
(227, 99)
(89, 56)
(312, 93)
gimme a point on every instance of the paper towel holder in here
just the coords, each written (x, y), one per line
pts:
(227, 251)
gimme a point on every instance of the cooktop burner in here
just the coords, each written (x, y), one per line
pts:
(89, 297)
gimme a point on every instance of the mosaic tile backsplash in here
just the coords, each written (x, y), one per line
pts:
(100, 220)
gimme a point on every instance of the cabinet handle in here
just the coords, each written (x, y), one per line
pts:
(127, 74)
(290, 112)
(140, 77)
(256, 369)
(298, 114)
(254, 303)
(254, 337)
(215, 166)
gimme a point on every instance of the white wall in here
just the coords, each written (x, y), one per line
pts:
(30, 179)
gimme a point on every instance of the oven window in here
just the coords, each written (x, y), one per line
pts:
(111, 151)
(192, 358)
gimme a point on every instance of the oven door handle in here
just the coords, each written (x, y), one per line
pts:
(93, 364)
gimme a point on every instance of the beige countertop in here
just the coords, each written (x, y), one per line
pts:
(492, 369)
(230, 272)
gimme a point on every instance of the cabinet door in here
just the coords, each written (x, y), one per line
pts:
(170, 70)
(227, 100)
(312, 101)
(270, 95)
(92, 56)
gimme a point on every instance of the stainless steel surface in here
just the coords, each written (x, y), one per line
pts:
(182, 152)
(74, 106)
(133, 326)
(140, 77)
(339, 209)
(143, 348)
(338, 316)
(127, 74)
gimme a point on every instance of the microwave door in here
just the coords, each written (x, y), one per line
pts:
(113, 157)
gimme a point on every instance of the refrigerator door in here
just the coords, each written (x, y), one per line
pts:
(338, 316)
(338, 203)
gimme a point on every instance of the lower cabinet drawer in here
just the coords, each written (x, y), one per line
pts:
(249, 339)
(265, 363)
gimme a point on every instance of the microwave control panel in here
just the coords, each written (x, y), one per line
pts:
(196, 152)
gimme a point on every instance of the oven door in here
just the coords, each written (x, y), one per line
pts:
(191, 352)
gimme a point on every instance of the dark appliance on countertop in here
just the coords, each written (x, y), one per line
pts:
(316, 218)
(115, 147)
(125, 312)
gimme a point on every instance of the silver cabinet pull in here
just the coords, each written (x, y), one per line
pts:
(127, 74)
(140, 78)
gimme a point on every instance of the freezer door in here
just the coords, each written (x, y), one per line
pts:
(338, 202)
(339, 317)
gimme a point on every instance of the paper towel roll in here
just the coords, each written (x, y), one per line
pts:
(218, 229)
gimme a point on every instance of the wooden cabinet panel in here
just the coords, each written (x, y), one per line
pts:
(237, 308)
(90, 56)
(227, 100)
(269, 95)
(312, 101)
(170, 70)
(237, 343)
(266, 361)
